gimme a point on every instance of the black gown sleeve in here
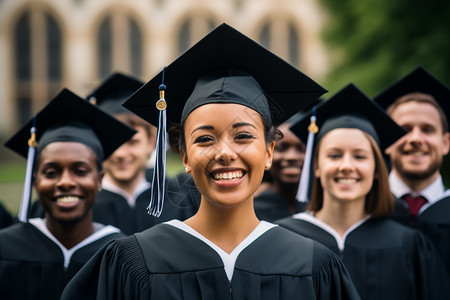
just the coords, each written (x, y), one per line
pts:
(112, 275)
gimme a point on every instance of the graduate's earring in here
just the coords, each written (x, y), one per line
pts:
(267, 165)
(187, 169)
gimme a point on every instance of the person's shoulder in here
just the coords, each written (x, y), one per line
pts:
(395, 233)
(389, 227)
(438, 212)
(321, 257)
(6, 218)
(290, 236)
(17, 240)
(298, 225)
(286, 221)
(15, 230)
(123, 247)
(107, 196)
(296, 242)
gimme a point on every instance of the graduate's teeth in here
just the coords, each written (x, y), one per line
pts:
(346, 181)
(417, 153)
(228, 175)
(68, 199)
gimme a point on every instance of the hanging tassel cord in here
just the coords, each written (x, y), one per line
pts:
(26, 193)
(159, 172)
(303, 187)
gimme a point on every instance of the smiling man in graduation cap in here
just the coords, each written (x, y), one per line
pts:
(69, 140)
(351, 202)
(221, 93)
(125, 188)
(420, 103)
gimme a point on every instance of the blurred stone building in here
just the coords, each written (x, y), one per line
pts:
(46, 45)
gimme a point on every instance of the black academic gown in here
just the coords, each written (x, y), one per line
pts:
(434, 222)
(165, 262)
(32, 265)
(386, 260)
(182, 200)
(5, 217)
(271, 206)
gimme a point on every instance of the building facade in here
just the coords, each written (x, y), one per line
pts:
(46, 45)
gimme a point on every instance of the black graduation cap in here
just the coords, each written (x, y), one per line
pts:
(351, 108)
(67, 118)
(289, 90)
(302, 113)
(224, 67)
(348, 108)
(113, 91)
(418, 80)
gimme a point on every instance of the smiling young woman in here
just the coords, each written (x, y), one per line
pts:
(351, 201)
(226, 138)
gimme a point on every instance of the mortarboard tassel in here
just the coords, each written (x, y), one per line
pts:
(159, 171)
(26, 194)
(303, 187)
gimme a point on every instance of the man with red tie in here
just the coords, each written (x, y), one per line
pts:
(421, 104)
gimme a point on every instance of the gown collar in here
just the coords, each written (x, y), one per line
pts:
(340, 241)
(433, 193)
(229, 260)
(100, 232)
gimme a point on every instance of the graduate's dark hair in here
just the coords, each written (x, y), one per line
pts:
(379, 200)
(421, 98)
(177, 140)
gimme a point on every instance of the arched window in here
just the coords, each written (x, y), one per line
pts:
(105, 48)
(53, 49)
(294, 45)
(192, 30)
(136, 48)
(22, 50)
(281, 37)
(119, 46)
(37, 61)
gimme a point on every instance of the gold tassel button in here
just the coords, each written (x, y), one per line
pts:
(313, 127)
(32, 141)
(161, 104)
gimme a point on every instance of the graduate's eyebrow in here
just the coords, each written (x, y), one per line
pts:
(205, 127)
(210, 127)
(241, 124)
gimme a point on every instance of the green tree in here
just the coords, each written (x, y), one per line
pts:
(375, 42)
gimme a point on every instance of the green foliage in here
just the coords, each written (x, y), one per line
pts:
(378, 41)
(14, 171)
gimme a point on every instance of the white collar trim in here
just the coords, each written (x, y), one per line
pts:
(100, 231)
(229, 260)
(433, 193)
(339, 240)
(140, 188)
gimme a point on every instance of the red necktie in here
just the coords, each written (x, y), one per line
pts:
(414, 203)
